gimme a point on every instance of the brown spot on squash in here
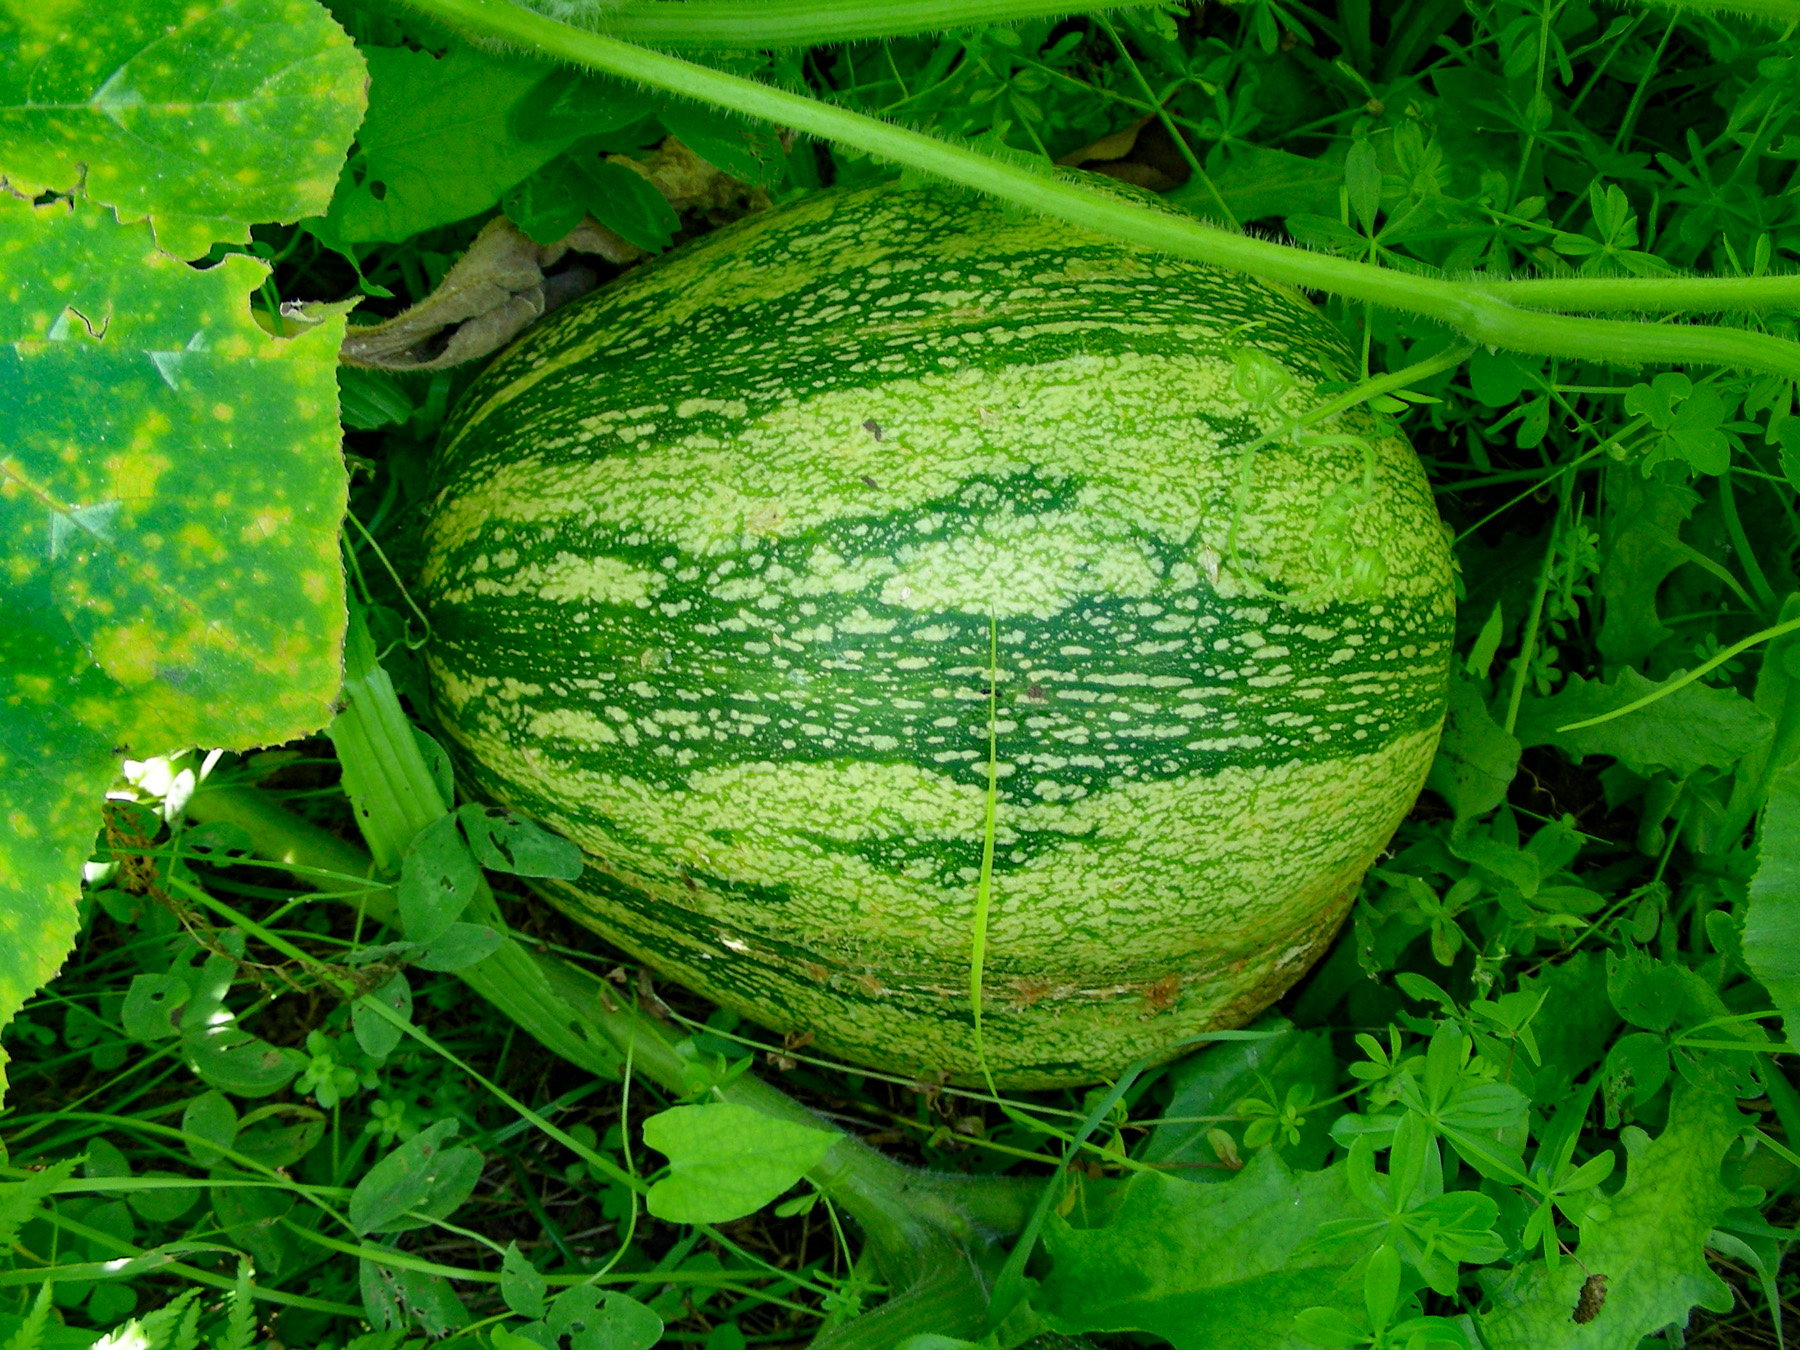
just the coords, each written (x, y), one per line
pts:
(1162, 994)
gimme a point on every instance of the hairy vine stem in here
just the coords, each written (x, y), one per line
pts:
(731, 25)
(1485, 312)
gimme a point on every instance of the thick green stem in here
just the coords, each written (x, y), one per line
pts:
(732, 25)
(1648, 295)
(385, 774)
(1476, 310)
(1774, 13)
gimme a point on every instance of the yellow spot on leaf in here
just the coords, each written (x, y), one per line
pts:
(134, 474)
(199, 538)
(128, 654)
(266, 525)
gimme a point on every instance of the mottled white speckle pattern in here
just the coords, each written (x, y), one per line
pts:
(719, 557)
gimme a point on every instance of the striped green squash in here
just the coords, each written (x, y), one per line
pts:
(722, 561)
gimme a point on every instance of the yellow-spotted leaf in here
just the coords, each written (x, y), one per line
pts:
(170, 490)
(204, 115)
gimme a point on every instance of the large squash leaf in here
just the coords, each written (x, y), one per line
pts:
(170, 493)
(171, 482)
(1648, 1242)
(1203, 1266)
(204, 115)
(416, 167)
(1772, 924)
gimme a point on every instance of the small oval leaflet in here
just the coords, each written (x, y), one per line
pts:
(438, 878)
(521, 1283)
(509, 843)
(459, 946)
(210, 1123)
(422, 1175)
(151, 1006)
(376, 1034)
(595, 1319)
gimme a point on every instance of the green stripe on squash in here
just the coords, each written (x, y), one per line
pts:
(711, 569)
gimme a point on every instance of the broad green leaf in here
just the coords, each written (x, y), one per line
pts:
(274, 1145)
(1687, 420)
(629, 203)
(152, 1005)
(1202, 1266)
(438, 144)
(1362, 176)
(727, 1160)
(1648, 1241)
(1476, 757)
(394, 1298)
(1257, 182)
(601, 1319)
(252, 1219)
(1657, 995)
(1694, 727)
(170, 491)
(1772, 926)
(1498, 378)
(458, 947)
(105, 1160)
(424, 1174)
(566, 103)
(164, 1204)
(204, 115)
(750, 152)
(1577, 1017)
(231, 1059)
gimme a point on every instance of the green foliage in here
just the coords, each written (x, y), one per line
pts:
(1771, 938)
(204, 117)
(1201, 1266)
(1690, 728)
(1646, 1240)
(438, 144)
(421, 1180)
(176, 581)
(1477, 758)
